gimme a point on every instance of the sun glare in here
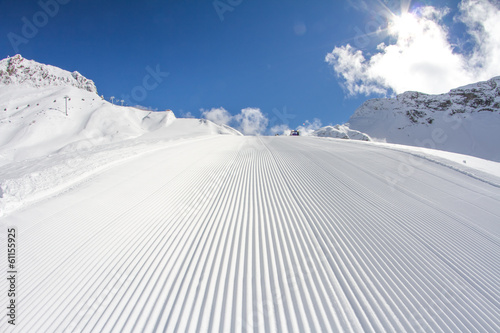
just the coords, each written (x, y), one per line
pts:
(405, 25)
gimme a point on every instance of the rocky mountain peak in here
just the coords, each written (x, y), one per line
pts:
(465, 120)
(21, 71)
(473, 98)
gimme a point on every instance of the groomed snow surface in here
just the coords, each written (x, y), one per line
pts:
(276, 234)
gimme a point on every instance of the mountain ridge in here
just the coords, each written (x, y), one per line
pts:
(21, 71)
(465, 120)
(45, 110)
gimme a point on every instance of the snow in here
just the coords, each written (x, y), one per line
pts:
(466, 120)
(138, 221)
(19, 71)
(33, 122)
(50, 168)
(484, 170)
(43, 151)
(234, 233)
(340, 132)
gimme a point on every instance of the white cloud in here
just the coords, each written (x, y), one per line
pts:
(282, 129)
(186, 114)
(218, 115)
(422, 57)
(352, 66)
(483, 21)
(307, 128)
(251, 121)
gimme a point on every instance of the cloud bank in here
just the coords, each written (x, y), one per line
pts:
(217, 115)
(250, 121)
(422, 58)
(282, 129)
(308, 128)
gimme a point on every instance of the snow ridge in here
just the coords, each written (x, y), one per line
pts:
(18, 70)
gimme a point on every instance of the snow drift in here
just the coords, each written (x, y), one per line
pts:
(341, 132)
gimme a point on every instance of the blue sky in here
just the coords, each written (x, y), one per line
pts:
(264, 54)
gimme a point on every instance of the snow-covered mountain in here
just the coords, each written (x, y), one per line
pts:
(17, 70)
(341, 132)
(137, 221)
(34, 123)
(465, 120)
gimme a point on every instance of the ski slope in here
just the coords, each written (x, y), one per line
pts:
(275, 234)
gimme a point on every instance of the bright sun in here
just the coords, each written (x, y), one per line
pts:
(405, 25)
